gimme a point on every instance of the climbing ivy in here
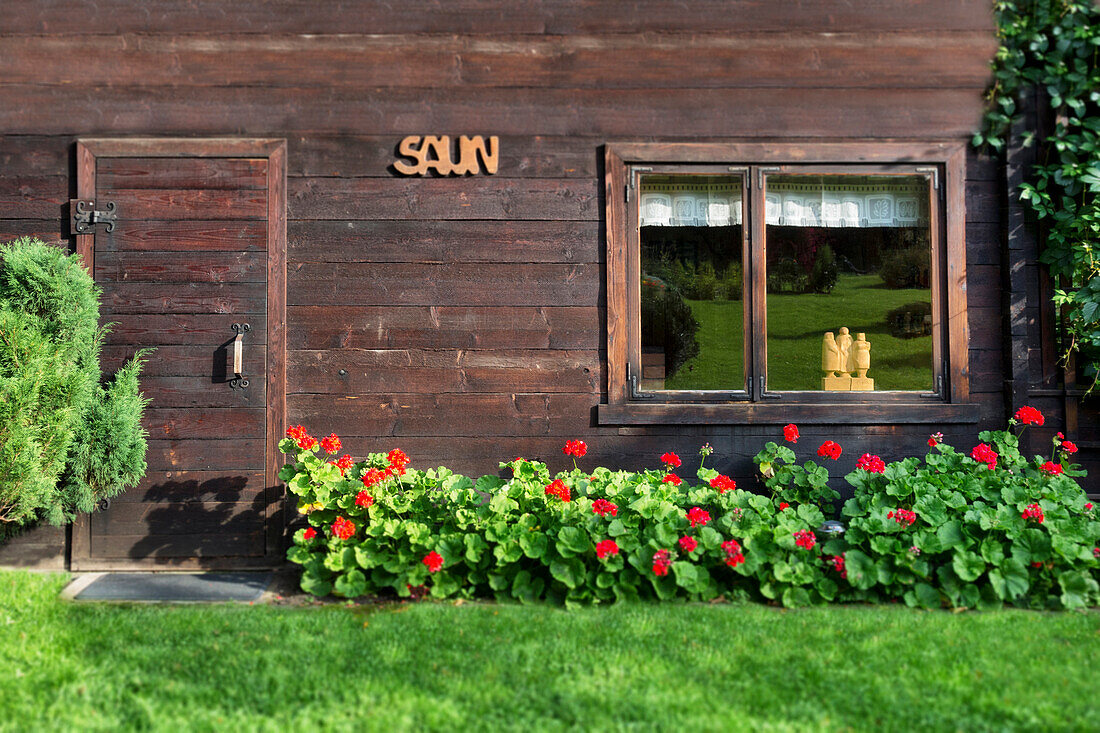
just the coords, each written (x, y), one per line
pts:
(1053, 45)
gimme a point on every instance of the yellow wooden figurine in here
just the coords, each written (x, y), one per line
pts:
(845, 362)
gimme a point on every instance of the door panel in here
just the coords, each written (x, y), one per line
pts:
(191, 254)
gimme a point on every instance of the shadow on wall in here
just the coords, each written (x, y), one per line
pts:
(174, 522)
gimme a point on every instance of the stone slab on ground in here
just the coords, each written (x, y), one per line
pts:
(169, 587)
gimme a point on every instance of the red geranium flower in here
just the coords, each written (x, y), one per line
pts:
(1052, 469)
(606, 547)
(723, 483)
(1029, 416)
(307, 442)
(734, 557)
(1088, 507)
(433, 560)
(603, 507)
(576, 448)
(331, 444)
(871, 463)
(982, 453)
(343, 463)
(698, 516)
(671, 459)
(398, 461)
(309, 534)
(783, 506)
(1096, 552)
(838, 565)
(903, 516)
(829, 449)
(935, 439)
(671, 478)
(364, 499)
(558, 488)
(295, 431)
(661, 562)
(790, 433)
(687, 544)
(374, 476)
(805, 539)
(343, 528)
(1069, 446)
(1034, 511)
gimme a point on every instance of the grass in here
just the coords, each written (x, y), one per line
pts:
(796, 324)
(488, 667)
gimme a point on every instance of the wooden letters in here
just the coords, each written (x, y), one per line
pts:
(434, 152)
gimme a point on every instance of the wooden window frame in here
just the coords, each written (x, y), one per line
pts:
(945, 165)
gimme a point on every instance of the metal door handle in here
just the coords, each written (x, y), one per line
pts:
(239, 380)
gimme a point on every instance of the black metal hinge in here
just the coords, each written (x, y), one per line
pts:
(85, 216)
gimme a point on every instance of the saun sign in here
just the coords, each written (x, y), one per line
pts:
(433, 152)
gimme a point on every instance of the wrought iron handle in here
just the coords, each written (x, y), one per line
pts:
(239, 380)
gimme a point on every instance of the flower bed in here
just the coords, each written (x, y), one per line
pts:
(952, 529)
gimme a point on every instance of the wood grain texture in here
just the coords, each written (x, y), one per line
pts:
(176, 424)
(195, 486)
(443, 198)
(478, 17)
(181, 267)
(176, 173)
(669, 112)
(397, 415)
(500, 327)
(179, 361)
(239, 299)
(447, 284)
(197, 329)
(912, 58)
(444, 241)
(203, 391)
(205, 455)
(185, 236)
(366, 371)
(141, 546)
(193, 203)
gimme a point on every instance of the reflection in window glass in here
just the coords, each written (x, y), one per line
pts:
(691, 285)
(848, 256)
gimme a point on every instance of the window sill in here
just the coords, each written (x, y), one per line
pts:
(777, 414)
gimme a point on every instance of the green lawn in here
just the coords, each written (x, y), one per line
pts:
(796, 324)
(489, 667)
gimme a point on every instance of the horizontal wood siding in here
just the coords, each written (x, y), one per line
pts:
(461, 319)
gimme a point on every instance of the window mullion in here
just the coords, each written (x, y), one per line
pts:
(756, 341)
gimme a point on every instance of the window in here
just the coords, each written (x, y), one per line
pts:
(744, 279)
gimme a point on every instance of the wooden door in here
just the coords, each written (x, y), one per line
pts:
(198, 247)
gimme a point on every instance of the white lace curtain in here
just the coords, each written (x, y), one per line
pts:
(850, 201)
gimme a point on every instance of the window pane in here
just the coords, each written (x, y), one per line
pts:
(691, 286)
(848, 264)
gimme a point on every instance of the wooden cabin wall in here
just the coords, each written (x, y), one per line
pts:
(468, 313)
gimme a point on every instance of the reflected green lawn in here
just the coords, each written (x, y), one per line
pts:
(796, 324)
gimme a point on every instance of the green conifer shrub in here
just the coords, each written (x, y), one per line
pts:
(66, 440)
